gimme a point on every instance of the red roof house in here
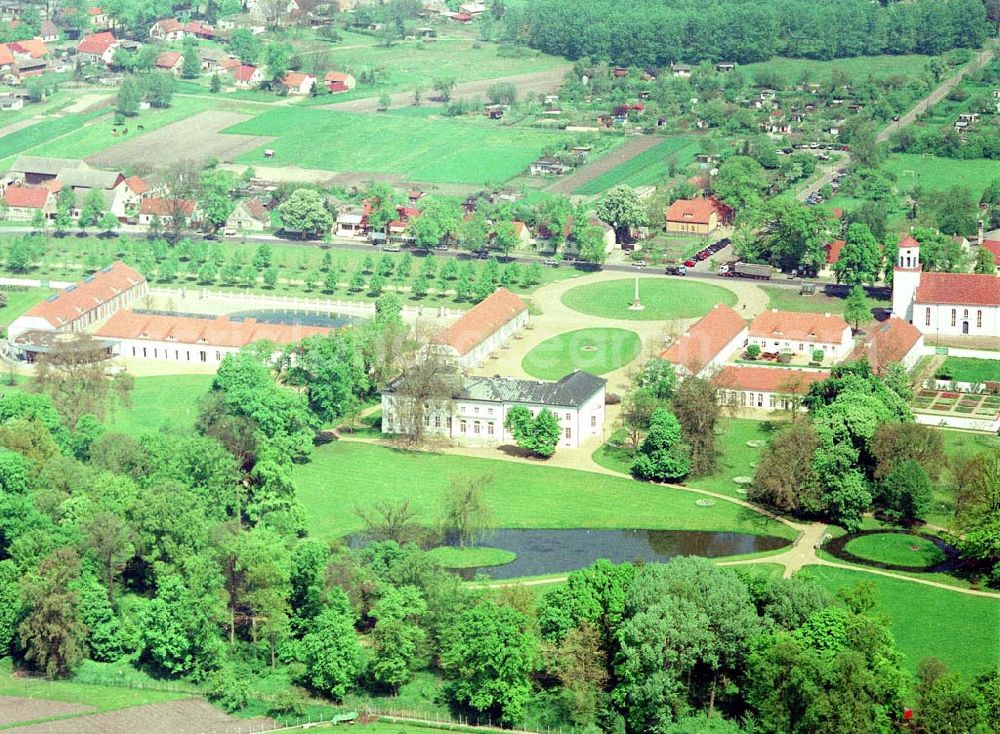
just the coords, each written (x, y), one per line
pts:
(692, 215)
(708, 341)
(171, 61)
(483, 327)
(894, 340)
(994, 247)
(98, 46)
(26, 197)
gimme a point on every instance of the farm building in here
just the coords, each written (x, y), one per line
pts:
(353, 222)
(165, 209)
(339, 81)
(200, 339)
(91, 300)
(769, 388)
(246, 76)
(703, 348)
(167, 29)
(893, 341)
(801, 333)
(697, 216)
(478, 407)
(483, 329)
(298, 84)
(548, 166)
(23, 201)
(82, 181)
(944, 303)
(33, 170)
(170, 61)
(97, 47)
(249, 216)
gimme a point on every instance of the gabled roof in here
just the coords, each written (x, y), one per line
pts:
(958, 288)
(994, 247)
(33, 47)
(168, 59)
(695, 211)
(158, 207)
(6, 55)
(889, 342)
(572, 391)
(26, 197)
(169, 25)
(792, 325)
(71, 303)
(706, 338)
(198, 28)
(48, 28)
(783, 380)
(216, 331)
(337, 76)
(44, 166)
(481, 321)
(296, 79)
(84, 178)
(97, 43)
(245, 73)
(137, 185)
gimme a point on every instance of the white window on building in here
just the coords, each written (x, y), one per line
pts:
(476, 410)
(489, 428)
(979, 319)
(475, 428)
(462, 427)
(593, 421)
(953, 313)
(489, 411)
(569, 432)
(437, 421)
(927, 316)
(567, 416)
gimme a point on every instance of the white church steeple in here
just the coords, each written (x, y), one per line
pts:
(906, 278)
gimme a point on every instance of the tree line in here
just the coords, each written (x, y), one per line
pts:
(656, 33)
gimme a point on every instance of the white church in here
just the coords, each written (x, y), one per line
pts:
(950, 304)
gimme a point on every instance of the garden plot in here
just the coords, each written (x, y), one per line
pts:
(19, 710)
(957, 403)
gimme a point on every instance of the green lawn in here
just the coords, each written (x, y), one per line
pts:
(957, 628)
(435, 151)
(19, 301)
(43, 132)
(858, 68)
(161, 401)
(789, 299)
(897, 549)
(662, 298)
(598, 351)
(470, 557)
(521, 495)
(937, 174)
(647, 168)
(966, 369)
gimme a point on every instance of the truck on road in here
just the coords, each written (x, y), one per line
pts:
(746, 270)
(675, 269)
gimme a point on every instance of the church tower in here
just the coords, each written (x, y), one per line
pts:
(905, 278)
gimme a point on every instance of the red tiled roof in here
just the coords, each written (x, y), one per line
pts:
(257, 210)
(199, 29)
(295, 79)
(215, 332)
(696, 211)
(244, 73)
(792, 325)
(782, 380)
(958, 288)
(169, 25)
(97, 43)
(337, 76)
(137, 185)
(33, 47)
(833, 251)
(94, 10)
(26, 197)
(72, 303)
(889, 342)
(908, 241)
(702, 343)
(336, 86)
(481, 321)
(6, 55)
(165, 207)
(168, 59)
(994, 247)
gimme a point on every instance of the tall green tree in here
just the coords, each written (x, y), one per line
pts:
(860, 259)
(333, 655)
(662, 456)
(857, 307)
(621, 209)
(50, 632)
(539, 434)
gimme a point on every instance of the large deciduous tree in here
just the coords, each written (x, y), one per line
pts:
(50, 631)
(333, 655)
(304, 213)
(538, 434)
(860, 259)
(662, 456)
(622, 210)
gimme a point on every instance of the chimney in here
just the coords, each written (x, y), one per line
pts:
(827, 314)
(774, 310)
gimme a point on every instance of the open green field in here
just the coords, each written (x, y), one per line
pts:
(435, 151)
(897, 549)
(857, 69)
(159, 401)
(647, 168)
(470, 556)
(598, 351)
(42, 133)
(20, 301)
(662, 298)
(937, 174)
(521, 495)
(967, 369)
(959, 629)
(789, 299)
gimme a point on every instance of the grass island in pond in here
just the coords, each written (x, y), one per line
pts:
(896, 549)
(662, 298)
(475, 556)
(597, 351)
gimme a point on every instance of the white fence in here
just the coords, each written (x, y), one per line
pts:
(985, 425)
(963, 352)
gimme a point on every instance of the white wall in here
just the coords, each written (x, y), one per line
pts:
(479, 354)
(969, 424)
(836, 350)
(716, 363)
(164, 351)
(940, 319)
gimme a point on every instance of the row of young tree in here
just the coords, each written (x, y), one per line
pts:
(657, 33)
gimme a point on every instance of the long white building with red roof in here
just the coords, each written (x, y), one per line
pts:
(705, 346)
(949, 304)
(483, 329)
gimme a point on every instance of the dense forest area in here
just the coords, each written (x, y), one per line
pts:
(658, 32)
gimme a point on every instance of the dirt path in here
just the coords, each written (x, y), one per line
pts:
(568, 184)
(533, 83)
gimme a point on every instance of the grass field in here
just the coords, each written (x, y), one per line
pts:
(967, 369)
(42, 133)
(788, 299)
(20, 301)
(647, 168)
(161, 401)
(897, 549)
(959, 629)
(858, 68)
(663, 299)
(435, 151)
(470, 557)
(937, 174)
(521, 495)
(593, 350)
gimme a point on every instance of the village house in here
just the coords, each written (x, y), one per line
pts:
(475, 413)
(198, 339)
(212, 59)
(767, 388)
(522, 233)
(697, 216)
(894, 341)
(83, 304)
(704, 347)
(246, 76)
(298, 84)
(353, 222)
(23, 201)
(164, 210)
(338, 81)
(249, 215)
(199, 30)
(833, 250)
(49, 32)
(167, 29)
(97, 48)
(801, 333)
(98, 18)
(170, 61)
(547, 165)
(11, 103)
(951, 304)
(482, 330)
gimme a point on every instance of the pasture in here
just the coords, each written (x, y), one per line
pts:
(663, 299)
(597, 351)
(521, 495)
(433, 151)
(648, 168)
(965, 369)
(41, 133)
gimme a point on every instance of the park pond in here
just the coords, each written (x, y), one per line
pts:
(297, 317)
(550, 551)
(896, 550)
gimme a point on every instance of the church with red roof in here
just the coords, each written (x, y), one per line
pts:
(949, 304)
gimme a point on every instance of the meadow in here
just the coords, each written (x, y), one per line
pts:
(521, 495)
(597, 351)
(789, 299)
(964, 369)
(159, 402)
(41, 133)
(648, 168)
(958, 629)
(19, 301)
(663, 299)
(433, 151)
(936, 174)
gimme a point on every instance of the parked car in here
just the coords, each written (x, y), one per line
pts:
(552, 263)
(689, 263)
(639, 264)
